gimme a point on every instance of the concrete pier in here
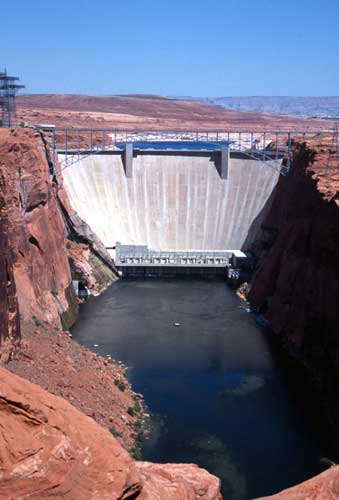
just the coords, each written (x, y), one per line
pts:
(128, 160)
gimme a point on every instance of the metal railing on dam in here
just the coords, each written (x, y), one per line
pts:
(75, 143)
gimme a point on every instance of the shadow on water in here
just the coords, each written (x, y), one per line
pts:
(213, 384)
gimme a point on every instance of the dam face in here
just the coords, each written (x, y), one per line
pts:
(170, 201)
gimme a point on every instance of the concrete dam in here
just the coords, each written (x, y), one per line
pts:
(171, 201)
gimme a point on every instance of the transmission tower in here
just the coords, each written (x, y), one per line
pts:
(8, 90)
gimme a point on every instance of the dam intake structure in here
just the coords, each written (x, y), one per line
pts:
(173, 191)
(141, 261)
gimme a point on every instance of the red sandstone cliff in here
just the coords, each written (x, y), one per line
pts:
(296, 283)
(36, 231)
(36, 268)
(39, 220)
(325, 486)
(9, 320)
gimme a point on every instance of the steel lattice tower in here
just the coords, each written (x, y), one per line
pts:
(8, 90)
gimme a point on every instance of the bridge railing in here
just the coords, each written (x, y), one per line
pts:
(265, 145)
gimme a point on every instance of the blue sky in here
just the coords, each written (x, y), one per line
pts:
(187, 47)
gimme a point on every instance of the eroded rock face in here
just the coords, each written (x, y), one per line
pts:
(40, 219)
(35, 254)
(9, 318)
(297, 281)
(322, 487)
(36, 230)
(175, 482)
(296, 285)
(62, 453)
(95, 385)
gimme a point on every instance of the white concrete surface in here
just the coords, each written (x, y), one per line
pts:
(171, 202)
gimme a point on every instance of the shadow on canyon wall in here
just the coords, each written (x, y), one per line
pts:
(295, 284)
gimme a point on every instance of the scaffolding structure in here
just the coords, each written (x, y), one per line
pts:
(8, 91)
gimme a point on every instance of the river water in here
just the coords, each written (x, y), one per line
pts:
(213, 384)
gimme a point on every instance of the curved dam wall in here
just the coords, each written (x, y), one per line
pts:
(170, 202)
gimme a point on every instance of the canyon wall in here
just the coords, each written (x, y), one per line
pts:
(9, 317)
(36, 231)
(296, 283)
(38, 226)
(44, 245)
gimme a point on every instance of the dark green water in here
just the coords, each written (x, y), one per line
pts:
(213, 385)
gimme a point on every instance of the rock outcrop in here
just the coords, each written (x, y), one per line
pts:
(40, 220)
(95, 385)
(62, 453)
(36, 232)
(36, 270)
(322, 487)
(9, 318)
(296, 284)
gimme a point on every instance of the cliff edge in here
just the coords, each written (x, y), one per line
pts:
(296, 282)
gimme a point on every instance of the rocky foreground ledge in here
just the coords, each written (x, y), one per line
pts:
(325, 486)
(50, 449)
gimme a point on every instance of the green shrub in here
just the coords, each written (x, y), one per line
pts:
(115, 433)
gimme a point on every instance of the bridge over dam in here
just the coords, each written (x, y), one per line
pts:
(184, 193)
